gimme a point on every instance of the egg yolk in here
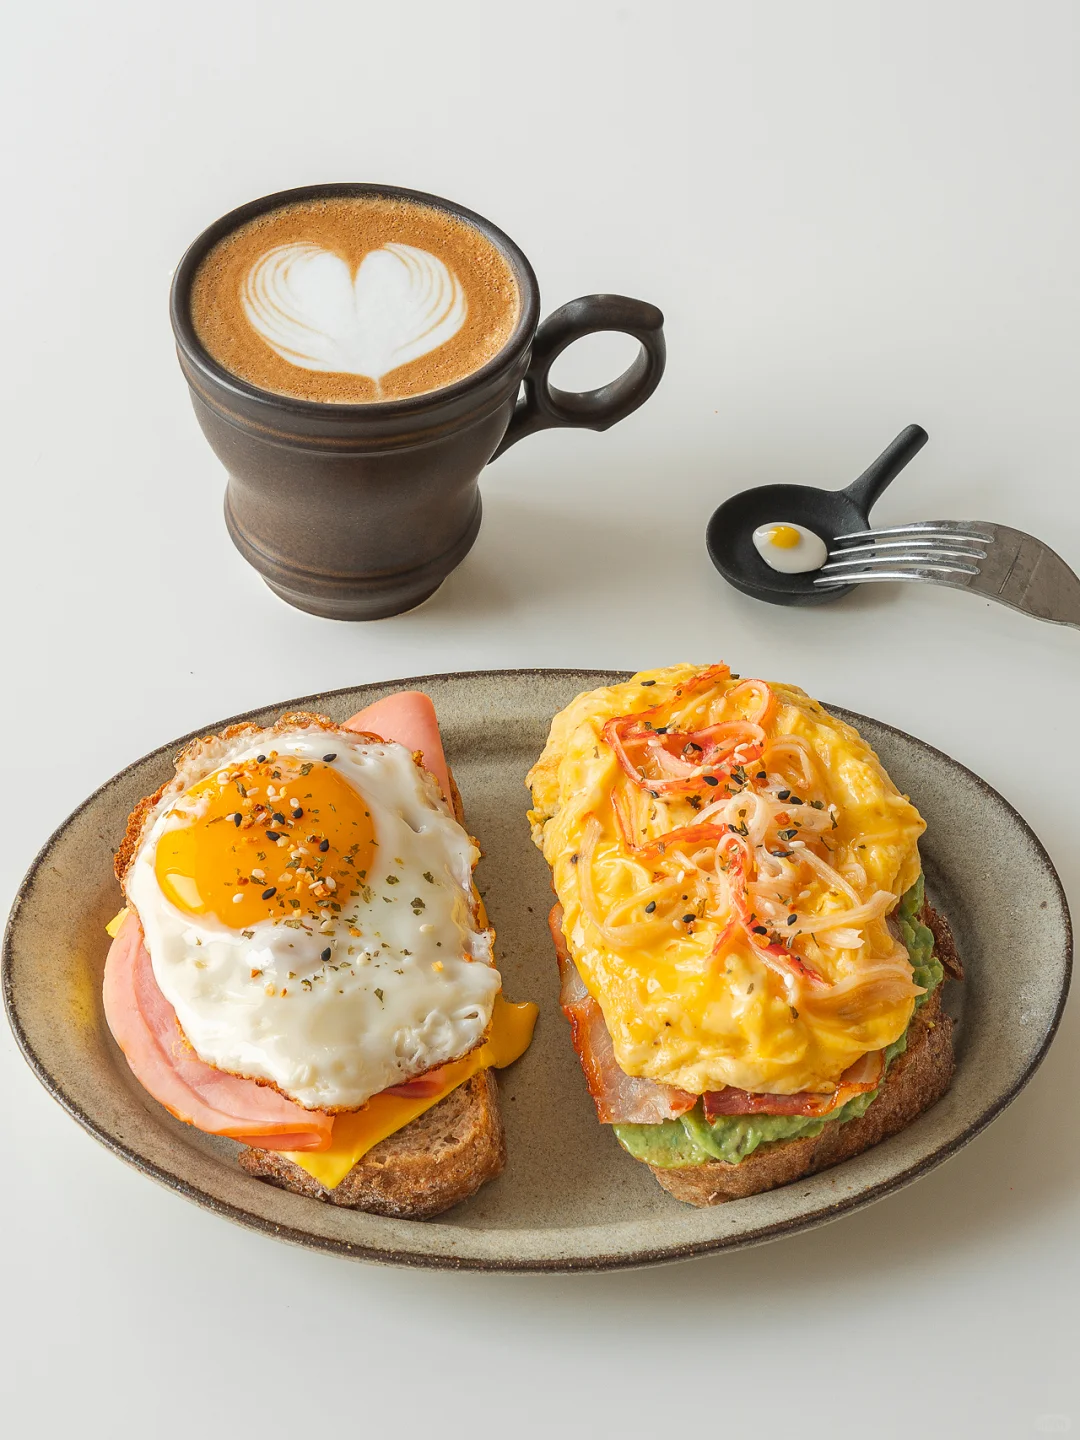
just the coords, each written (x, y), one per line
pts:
(271, 838)
(784, 537)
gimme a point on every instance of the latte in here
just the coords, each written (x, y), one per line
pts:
(354, 299)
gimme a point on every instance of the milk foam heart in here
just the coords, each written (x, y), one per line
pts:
(354, 299)
(401, 303)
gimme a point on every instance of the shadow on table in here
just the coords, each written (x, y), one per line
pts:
(533, 553)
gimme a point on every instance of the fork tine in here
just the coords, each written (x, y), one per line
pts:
(953, 529)
(900, 550)
(928, 574)
(931, 549)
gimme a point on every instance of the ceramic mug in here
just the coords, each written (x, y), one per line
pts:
(356, 512)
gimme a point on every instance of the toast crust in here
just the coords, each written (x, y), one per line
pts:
(439, 1159)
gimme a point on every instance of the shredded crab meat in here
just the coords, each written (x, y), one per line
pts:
(750, 852)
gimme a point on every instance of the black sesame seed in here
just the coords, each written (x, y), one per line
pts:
(760, 775)
(324, 845)
(791, 919)
(298, 813)
(710, 780)
(688, 919)
(782, 794)
(796, 801)
(260, 759)
(660, 730)
(648, 682)
(760, 930)
(328, 758)
(236, 818)
(272, 835)
(269, 892)
(278, 818)
(326, 953)
(650, 907)
(655, 794)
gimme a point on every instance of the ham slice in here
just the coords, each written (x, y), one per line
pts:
(619, 1098)
(857, 1079)
(144, 1025)
(409, 718)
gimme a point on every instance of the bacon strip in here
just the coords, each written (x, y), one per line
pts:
(864, 1075)
(144, 1025)
(619, 1098)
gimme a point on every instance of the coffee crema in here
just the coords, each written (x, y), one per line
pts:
(353, 299)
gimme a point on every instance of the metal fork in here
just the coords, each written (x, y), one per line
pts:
(991, 560)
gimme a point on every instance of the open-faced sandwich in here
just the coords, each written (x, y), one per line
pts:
(750, 967)
(303, 963)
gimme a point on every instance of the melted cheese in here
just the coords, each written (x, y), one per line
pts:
(357, 1132)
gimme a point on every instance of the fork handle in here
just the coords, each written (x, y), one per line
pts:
(868, 488)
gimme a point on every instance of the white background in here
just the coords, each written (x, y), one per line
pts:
(854, 215)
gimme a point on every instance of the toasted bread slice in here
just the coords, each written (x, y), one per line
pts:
(438, 1160)
(916, 1079)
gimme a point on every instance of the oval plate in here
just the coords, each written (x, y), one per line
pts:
(570, 1199)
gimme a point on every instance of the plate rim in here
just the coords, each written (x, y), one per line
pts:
(648, 1256)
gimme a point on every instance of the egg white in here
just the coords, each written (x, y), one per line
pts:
(379, 1012)
(810, 553)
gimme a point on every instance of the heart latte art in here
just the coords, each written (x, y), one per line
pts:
(401, 303)
(354, 299)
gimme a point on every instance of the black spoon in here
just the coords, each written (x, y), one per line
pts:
(827, 513)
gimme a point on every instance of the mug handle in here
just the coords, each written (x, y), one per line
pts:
(543, 405)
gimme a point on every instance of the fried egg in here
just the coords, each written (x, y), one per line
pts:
(789, 548)
(727, 854)
(306, 900)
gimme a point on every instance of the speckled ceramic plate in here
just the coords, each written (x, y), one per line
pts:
(570, 1198)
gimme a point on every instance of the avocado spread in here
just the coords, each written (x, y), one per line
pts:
(693, 1140)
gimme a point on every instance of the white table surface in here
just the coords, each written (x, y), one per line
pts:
(855, 215)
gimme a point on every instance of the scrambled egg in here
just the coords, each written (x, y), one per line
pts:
(727, 855)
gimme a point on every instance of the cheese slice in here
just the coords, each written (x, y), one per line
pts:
(357, 1131)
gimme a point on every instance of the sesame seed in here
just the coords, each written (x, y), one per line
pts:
(298, 814)
(688, 919)
(278, 818)
(650, 907)
(269, 892)
(791, 919)
(326, 953)
(272, 835)
(760, 930)
(324, 845)
(260, 759)
(330, 757)
(236, 817)
(236, 899)
(710, 780)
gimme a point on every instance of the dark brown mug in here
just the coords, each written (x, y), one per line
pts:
(356, 512)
